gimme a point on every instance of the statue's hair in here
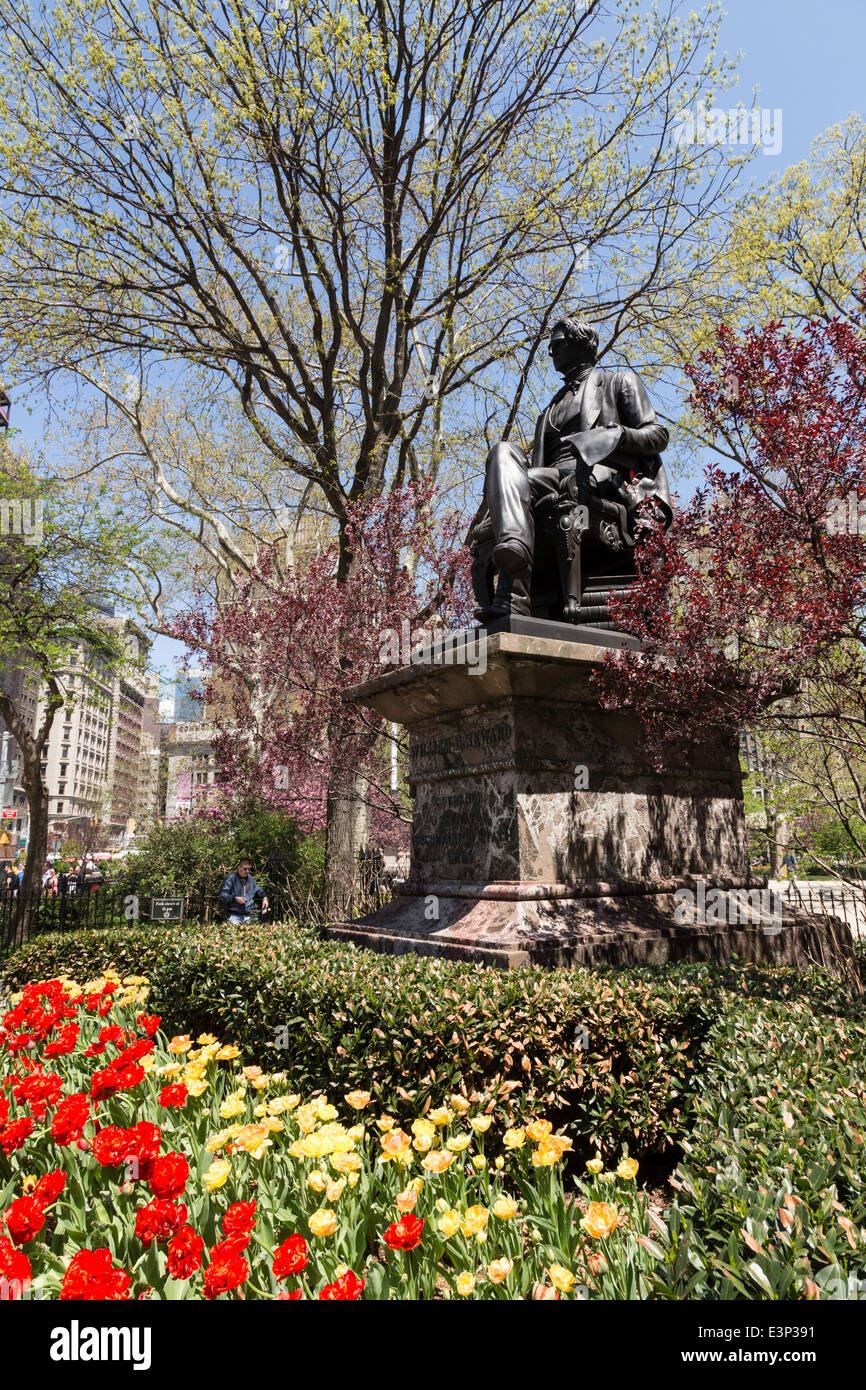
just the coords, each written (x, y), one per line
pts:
(581, 332)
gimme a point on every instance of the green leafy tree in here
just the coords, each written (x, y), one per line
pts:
(58, 559)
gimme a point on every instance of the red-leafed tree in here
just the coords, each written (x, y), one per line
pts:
(751, 609)
(285, 648)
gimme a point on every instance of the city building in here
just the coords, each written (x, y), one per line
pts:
(130, 688)
(148, 803)
(91, 761)
(22, 687)
(189, 766)
(187, 708)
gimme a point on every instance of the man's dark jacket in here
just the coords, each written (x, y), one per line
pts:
(235, 887)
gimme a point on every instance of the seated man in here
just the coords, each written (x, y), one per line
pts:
(600, 424)
(240, 895)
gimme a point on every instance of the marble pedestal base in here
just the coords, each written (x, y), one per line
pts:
(541, 833)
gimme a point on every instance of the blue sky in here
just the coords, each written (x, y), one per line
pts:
(806, 59)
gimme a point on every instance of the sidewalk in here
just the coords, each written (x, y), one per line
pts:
(827, 895)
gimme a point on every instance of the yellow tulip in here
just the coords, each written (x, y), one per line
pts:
(499, 1270)
(438, 1161)
(474, 1219)
(307, 1118)
(481, 1123)
(594, 1165)
(280, 1104)
(538, 1130)
(216, 1174)
(232, 1107)
(323, 1222)
(504, 1207)
(514, 1138)
(345, 1162)
(561, 1278)
(465, 1284)
(627, 1169)
(359, 1100)
(448, 1224)
(600, 1220)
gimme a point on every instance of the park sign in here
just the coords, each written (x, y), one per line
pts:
(166, 909)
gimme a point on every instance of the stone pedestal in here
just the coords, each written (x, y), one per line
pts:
(541, 833)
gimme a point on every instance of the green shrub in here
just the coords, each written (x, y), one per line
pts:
(199, 850)
(772, 1190)
(612, 1055)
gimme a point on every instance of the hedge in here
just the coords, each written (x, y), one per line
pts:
(617, 1055)
(745, 1081)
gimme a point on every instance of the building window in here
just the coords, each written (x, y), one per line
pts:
(60, 805)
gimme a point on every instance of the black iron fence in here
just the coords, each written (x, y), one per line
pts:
(113, 905)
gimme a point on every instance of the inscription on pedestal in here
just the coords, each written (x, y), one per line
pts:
(462, 830)
(447, 749)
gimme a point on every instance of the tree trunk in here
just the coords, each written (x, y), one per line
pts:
(37, 843)
(344, 835)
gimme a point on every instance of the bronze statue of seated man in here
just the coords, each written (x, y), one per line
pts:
(595, 459)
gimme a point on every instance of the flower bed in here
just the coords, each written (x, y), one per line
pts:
(136, 1166)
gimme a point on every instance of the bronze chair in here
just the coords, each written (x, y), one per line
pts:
(584, 556)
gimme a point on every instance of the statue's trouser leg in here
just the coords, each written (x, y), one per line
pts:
(509, 498)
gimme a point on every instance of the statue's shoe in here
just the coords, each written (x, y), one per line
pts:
(515, 606)
(512, 557)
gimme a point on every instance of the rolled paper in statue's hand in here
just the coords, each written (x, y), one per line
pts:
(594, 446)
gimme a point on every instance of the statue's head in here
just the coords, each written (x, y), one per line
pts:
(573, 343)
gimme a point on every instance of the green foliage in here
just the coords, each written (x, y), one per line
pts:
(750, 1078)
(194, 850)
(772, 1192)
(611, 1054)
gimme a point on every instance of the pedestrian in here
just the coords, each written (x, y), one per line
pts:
(789, 863)
(789, 868)
(240, 895)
